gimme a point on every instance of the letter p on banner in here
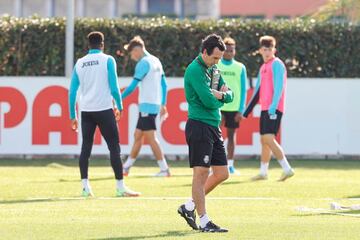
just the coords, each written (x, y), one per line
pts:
(13, 108)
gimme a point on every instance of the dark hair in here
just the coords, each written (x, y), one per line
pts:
(135, 42)
(95, 39)
(212, 41)
(267, 41)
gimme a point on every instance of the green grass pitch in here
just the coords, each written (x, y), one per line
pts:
(39, 199)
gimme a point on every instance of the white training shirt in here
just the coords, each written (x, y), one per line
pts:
(92, 71)
(150, 90)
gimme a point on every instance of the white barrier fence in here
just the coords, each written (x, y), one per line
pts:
(322, 117)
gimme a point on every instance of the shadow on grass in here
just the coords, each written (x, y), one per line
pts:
(153, 177)
(354, 212)
(344, 213)
(225, 183)
(75, 180)
(165, 234)
(354, 196)
(39, 200)
(112, 178)
(236, 182)
(96, 162)
(324, 164)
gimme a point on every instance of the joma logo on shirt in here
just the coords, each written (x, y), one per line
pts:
(226, 73)
(90, 63)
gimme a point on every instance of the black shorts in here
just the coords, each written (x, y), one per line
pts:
(270, 126)
(206, 144)
(146, 122)
(229, 119)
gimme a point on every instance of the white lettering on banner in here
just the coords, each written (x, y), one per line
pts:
(34, 119)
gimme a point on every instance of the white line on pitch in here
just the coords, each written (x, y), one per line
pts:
(148, 198)
(338, 199)
(185, 198)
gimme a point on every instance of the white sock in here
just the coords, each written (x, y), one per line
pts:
(190, 205)
(230, 162)
(204, 219)
(129, 162)
(120, 184)
(264, 169)
(285, 164)
(86, 184)
(163, 165)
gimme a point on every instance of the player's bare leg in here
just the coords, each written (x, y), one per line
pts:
(219, 174)
(138, 141)
(154, 143)
(270, 141)
(264, 161)
(200, 176)
(231, 149)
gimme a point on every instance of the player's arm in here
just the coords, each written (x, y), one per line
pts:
(198, 83)
(74, 86)
(228, 95)
(113, 83)
(278, 78)
(243, 78)
(164, 90)
(131, 88)
(163, 112)
(142, 68)
(254, 99)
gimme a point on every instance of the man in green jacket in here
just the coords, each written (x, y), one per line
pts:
(206, 92)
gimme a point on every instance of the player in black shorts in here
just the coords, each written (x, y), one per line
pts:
(268, 125)
(150, 77)
(234, 73)
(146, 122)
(270, 92)
(206, 144)
(231, 121)
(206, 93)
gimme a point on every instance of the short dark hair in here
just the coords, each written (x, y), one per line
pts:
(135, 42)
(267, 41)
(212, 41)
(95, 39)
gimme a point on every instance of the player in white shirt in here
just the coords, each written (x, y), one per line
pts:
(150, 77)
(96, 78)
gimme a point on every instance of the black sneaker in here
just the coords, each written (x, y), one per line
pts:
(189, 216)
(212, 227)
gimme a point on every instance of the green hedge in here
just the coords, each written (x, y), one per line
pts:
(36, 46)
